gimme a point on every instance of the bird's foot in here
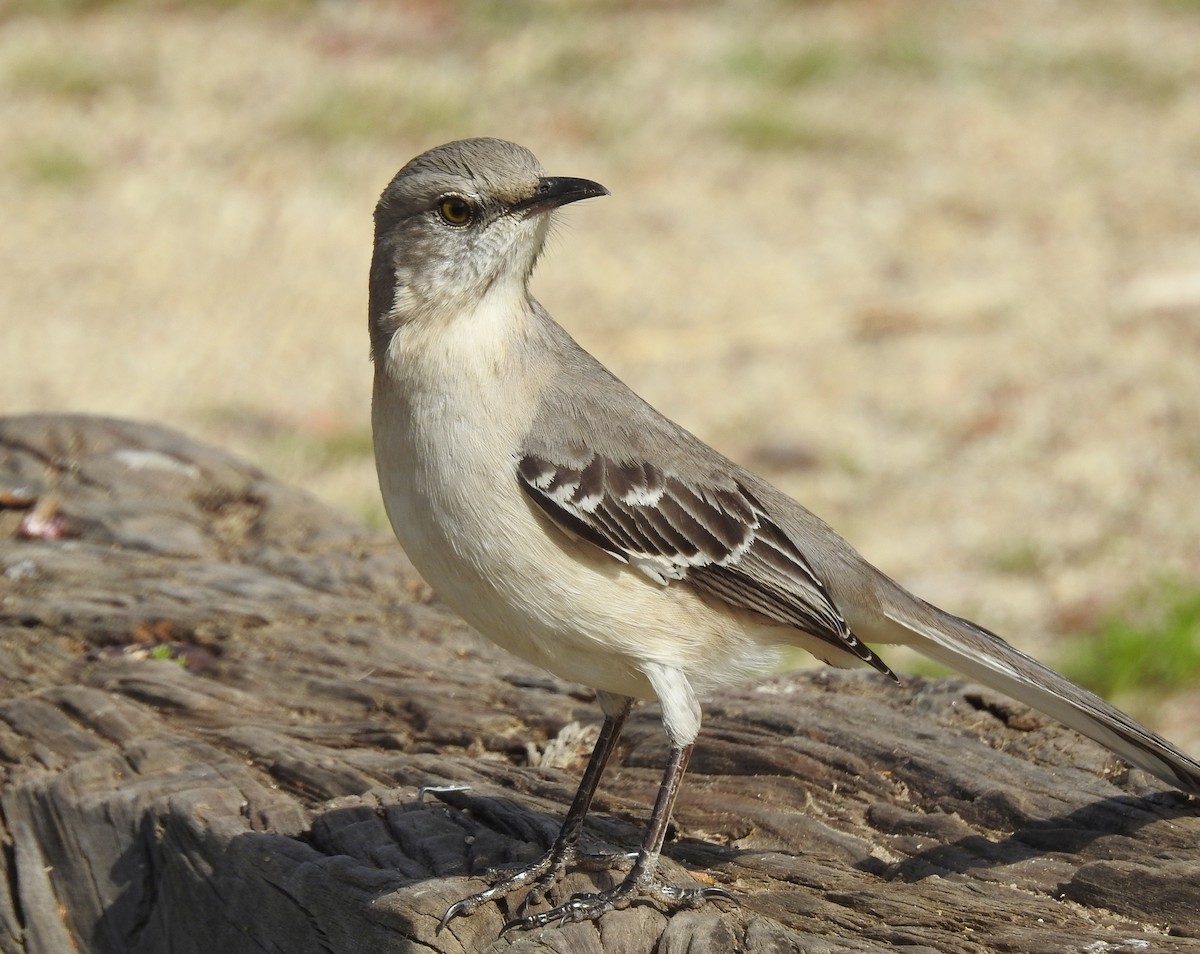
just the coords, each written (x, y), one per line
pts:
(539, 877)
(589, 907)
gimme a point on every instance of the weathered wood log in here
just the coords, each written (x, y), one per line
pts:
(221, 700)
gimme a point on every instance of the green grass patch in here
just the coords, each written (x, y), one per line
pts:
(575, 65)
(164, 651)
(278, 444)
(907, 49)
(1155, 645)
(87, 7)
(58, 75)
(373, 515)
(771, 129)
(789, 69)
(357, 111)
(75, 76)
(1017, 559)
(903, 50)
(56, 165)
(298, 452)
(1114, 71)
(349, 444)
(1106, 70)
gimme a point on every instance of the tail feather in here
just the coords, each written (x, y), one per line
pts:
(982, 655)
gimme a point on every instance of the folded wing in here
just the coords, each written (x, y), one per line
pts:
(717, 539)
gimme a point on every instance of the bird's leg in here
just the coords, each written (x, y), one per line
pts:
(548, 869)
(642, 880)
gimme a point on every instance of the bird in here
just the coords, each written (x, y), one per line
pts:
(567, 520)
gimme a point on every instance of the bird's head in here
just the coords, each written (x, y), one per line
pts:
(457, 222)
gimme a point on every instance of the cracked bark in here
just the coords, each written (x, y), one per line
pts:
(219, 700)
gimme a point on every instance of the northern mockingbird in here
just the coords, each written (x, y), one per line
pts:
(571, 523)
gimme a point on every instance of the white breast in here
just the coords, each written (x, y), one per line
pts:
(446, 457)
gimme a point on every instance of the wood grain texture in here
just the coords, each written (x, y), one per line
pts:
(265, 796)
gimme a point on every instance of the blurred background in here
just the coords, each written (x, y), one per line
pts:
(932, 266)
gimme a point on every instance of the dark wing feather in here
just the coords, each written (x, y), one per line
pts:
(721, 541)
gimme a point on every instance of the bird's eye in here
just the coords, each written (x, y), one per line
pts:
(455, 210)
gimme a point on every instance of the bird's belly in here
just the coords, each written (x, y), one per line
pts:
(558, 603)
(500, 575)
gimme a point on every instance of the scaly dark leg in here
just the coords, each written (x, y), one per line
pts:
(642, 880)
(547, 870)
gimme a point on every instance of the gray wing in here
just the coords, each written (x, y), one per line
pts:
(719, 540)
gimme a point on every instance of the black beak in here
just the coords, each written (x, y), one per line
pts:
(555, 191)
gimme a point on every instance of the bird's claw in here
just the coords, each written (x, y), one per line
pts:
(543, 874)
(589, 907)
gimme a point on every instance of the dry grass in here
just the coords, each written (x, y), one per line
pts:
(934, 266)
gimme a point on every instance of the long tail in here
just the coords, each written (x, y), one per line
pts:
(985, 657)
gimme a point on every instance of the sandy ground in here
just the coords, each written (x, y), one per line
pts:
(934, 267)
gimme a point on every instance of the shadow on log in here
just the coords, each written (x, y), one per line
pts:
(221, 701)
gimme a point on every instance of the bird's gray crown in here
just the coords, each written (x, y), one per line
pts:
(493, 168)
(457, 221)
